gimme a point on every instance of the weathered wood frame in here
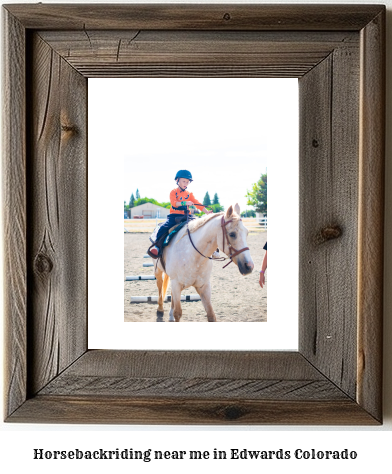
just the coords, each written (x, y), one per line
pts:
(337, 52)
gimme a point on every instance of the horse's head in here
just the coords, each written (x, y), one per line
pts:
(236, 234)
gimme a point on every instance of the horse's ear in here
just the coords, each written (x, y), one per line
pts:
(237, 209)
(229, 212)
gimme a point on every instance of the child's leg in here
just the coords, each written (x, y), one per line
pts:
(164, 228)
(170, 222)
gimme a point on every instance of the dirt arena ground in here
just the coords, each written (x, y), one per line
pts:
(235, 298)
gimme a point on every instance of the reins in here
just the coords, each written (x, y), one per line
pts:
(221, 259)
(224, 231)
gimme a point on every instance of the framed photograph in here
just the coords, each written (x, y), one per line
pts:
(337, 53)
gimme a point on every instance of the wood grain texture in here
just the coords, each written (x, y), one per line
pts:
(14, 213)
(192, 387)
(195, 17)
(336, 376)
(196, 53)
(205, 364)
(57, 205)
(187, 374)
(118, 410)
(371, 216)
(329, 215)
(208, 364)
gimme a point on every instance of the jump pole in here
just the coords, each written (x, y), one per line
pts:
(148, 264)
(154, 299)
(140, 277)
(146, 256)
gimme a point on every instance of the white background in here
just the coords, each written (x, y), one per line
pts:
(373, 444)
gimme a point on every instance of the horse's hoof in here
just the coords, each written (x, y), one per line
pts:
(160, 317)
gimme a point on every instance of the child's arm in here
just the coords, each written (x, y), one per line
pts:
(190, 203)
(173, 200)
(198, 204)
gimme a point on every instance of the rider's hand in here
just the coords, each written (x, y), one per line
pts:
(189, 203)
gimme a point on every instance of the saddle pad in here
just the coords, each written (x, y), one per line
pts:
(173, 231)
(155, 232)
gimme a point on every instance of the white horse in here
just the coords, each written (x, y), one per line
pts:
(188, 261)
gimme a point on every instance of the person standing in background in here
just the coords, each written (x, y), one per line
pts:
(263, 267)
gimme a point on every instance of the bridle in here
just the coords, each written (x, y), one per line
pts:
(232, 251)
(231, 248)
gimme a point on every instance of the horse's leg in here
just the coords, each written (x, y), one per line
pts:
(160, 284)
(176, 310)
(171, 312)
(171, 316)
(165, 284)
(205, 295)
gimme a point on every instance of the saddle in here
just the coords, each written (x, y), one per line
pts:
(165, 239)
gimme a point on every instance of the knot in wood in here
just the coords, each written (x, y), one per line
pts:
(315, 143)
(43, 264)
(328, 233)
(232, 412)
(68, 128)
(227, 16)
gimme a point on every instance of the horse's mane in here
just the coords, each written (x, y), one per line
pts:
(197, 223)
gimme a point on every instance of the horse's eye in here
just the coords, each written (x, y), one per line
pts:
(232, 234)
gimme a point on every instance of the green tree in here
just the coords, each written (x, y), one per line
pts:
(217, 207)
(140, 201)
(248, 213)
(216, 199)
(132, 201)
(207, 200)
(257, 197)
(137, 194)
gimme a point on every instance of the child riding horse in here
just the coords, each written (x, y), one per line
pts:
(180, 200)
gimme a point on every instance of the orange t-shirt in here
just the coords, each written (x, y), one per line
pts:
(176, 195)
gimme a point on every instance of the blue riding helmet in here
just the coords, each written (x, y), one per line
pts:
(184, 174)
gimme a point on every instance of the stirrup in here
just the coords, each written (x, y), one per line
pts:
(154, 254)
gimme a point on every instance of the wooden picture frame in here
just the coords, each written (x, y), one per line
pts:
(338, 54)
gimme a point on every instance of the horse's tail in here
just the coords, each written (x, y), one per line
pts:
(165, 284)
